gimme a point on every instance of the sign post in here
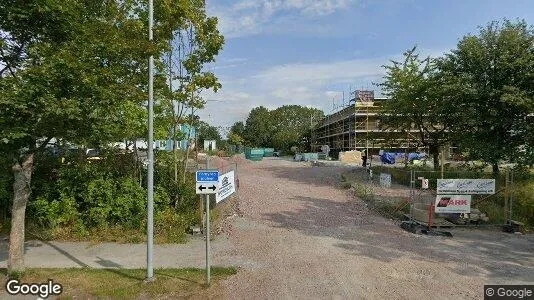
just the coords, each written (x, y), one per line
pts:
(207, 239)
(207, 182)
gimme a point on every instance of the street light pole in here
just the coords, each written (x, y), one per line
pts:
(150, 205)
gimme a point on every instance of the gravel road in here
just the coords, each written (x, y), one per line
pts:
(300, 235)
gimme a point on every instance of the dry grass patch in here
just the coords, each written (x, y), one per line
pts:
(125, 283)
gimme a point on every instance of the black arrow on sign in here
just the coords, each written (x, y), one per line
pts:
(212, 188)
(201, 187)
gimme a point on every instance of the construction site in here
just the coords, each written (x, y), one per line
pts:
(356, 126)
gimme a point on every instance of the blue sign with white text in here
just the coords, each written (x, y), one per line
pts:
(208, 176)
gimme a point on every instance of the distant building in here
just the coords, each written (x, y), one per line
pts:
(188, 140)
(357, 127)
(210, 145)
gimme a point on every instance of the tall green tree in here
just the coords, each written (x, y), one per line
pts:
(195, 43)
(238, 128)
(69, 70)
(416, 101)
(282, 128)
(258, 128)
(292, 125)
(207, 132)
(490, 82)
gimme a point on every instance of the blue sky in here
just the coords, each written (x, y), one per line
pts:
(309, 52)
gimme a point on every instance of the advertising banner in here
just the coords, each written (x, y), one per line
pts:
(453, 204)
(466, 186)
(385, 180)
(226, 186)
(365, 98)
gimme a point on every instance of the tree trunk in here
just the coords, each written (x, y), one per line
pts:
(137, 166)
(435, 156)
(21, 193)
(434, 150)
(495, 167)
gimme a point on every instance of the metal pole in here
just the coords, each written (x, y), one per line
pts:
(442, 162)
(208, 240)
(150, 206)
(412, 185)
(208, 230)
(506, 193)
(511, 194)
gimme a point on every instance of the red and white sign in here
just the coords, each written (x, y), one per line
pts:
(455, 204)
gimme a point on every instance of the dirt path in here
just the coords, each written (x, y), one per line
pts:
(300, 236)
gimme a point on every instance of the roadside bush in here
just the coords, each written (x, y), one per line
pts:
(103, 199)
(169, 225)
(524, 202)
(6, 188)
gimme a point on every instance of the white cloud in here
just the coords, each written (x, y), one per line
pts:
(310, 84)
(249, 17)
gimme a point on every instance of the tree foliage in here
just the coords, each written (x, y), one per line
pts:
(480, 96)
(238, 128)
(416, 103)
(489, 79)
(258, 128)
(77, 71)
(207, 132)
(281, 128)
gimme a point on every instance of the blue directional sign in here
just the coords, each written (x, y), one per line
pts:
(208, 176)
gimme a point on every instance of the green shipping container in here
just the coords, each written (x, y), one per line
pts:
(268, 152)
(255, 154)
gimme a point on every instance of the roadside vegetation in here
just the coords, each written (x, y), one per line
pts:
(478, 97)
(283, 128)
(73, 76)
(521, 191)
(126, 283)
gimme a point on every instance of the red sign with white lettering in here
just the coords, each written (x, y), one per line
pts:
(453, 204)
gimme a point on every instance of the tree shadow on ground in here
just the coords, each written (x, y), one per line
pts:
(360, 233)
(4, 248)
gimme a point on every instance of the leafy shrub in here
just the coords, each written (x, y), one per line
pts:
(169, 225)
(79, 199)
(524, 202)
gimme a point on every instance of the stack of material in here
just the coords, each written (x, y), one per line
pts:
(310, 156)
(351, 157)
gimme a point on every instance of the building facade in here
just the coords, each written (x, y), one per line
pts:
(357, 127)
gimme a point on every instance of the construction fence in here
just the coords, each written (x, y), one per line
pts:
(458, 198)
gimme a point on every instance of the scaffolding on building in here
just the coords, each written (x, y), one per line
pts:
(356, 126)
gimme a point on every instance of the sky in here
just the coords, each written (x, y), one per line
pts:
(314, 52)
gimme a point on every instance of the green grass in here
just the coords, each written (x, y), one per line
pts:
(126, 283)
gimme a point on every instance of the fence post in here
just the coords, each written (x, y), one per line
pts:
(411, 194)
(506, 187)
(430, 214)
(512, 190)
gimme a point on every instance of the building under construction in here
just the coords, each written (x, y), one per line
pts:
(357, 127)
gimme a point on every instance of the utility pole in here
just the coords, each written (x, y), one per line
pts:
(150, 206)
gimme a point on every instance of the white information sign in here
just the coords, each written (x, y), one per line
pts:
(226, 186)
(385, 180)
(453, 204)
(204, 188)
(466, 186)
(424, 184)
